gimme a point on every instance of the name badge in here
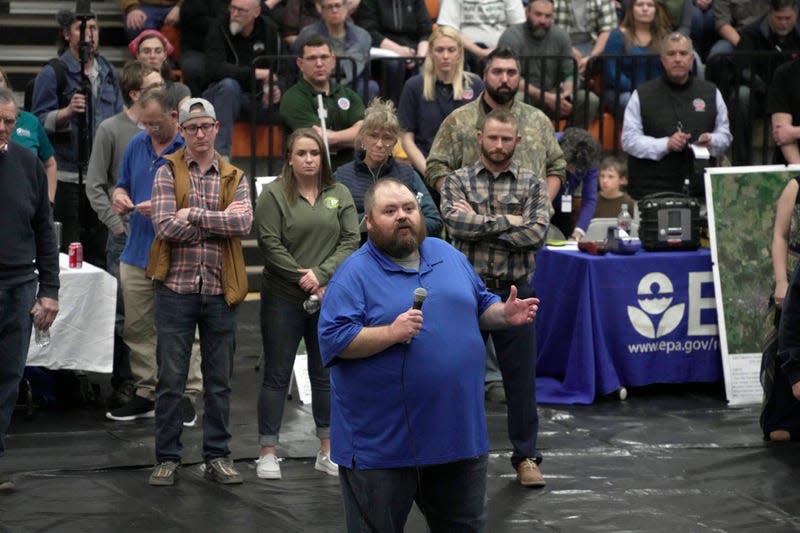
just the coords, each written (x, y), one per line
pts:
(566, 203)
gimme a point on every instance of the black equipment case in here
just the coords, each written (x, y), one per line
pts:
(669, 221)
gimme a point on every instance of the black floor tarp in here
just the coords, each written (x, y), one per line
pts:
(669, 458)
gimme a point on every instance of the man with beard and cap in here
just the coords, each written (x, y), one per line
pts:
(233, 42)
(407, 417)
(455, 144)
(497, 213)
(550, 83)
(667, 119)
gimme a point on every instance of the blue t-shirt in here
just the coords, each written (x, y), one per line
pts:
(437, 379)
(136, 174)
(422, 117)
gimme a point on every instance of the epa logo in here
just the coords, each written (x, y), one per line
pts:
(656, 316)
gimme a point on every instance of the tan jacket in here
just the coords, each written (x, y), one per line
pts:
(234, 275)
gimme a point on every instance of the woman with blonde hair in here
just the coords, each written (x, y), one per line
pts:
(429, 97)
(306, 226)
(377, 137)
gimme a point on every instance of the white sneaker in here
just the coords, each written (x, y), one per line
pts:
(324, 464)
(267, 467)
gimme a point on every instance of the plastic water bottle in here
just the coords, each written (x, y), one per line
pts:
(40, 337)
(624, 219)
(311, 305)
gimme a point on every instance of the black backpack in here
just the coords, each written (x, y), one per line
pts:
(60, 70)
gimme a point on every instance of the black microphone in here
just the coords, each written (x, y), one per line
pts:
(419, 296)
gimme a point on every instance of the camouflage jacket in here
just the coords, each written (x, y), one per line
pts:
(455, 145)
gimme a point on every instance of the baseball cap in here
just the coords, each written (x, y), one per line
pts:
(205, 110)
(65, 18)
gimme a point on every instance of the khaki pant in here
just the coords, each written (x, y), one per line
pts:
(140, 335)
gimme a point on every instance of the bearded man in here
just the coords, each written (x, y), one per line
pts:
(455, 144)
(233, 42)
(407, 417)
(497, 213)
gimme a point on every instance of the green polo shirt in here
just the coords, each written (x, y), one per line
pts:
(344, 106)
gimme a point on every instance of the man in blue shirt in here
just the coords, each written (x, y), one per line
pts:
(143, 157)
(407, 417)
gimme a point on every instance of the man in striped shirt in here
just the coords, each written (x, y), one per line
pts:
(498, 215)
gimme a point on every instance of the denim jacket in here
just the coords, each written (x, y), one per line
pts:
(106, 103)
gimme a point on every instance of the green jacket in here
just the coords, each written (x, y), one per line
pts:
(297, 236)
(455, 145)
(345, 108)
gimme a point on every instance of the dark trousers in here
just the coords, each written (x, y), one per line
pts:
(452, 496)
(516, 356)
(15, 335)
(177, 316)
(283, 324)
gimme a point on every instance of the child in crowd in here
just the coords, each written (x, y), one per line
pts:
(575, 202)
(613, 177)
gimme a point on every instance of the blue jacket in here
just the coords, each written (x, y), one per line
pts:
(357, 177)
(107, 103)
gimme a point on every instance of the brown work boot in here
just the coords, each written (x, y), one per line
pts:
(529, 475)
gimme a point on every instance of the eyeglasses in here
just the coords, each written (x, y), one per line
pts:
(313, 59)
(152, 126)
(192, 129)
(386, 140)
(239, 10)
(331, 7)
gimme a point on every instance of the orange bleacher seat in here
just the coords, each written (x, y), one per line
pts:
(173, 35)
(433, 8)
(610, 131)
(240, 146)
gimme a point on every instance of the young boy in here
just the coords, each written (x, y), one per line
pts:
(613, 177)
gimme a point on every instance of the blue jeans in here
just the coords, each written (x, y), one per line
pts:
(232, 103)
(452, 496)
(177, 316)
(15, 336)
(516, 355)
(283, 324)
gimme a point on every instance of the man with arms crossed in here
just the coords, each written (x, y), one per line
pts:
(498, 213)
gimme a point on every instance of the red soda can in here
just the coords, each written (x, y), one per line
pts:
(75, 255)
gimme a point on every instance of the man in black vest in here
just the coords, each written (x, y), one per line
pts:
(669, 121)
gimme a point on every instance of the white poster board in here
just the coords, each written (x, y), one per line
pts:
(741, 214)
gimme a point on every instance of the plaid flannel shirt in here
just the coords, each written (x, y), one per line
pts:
(600, 16)
(196, 244)
(496, 248)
